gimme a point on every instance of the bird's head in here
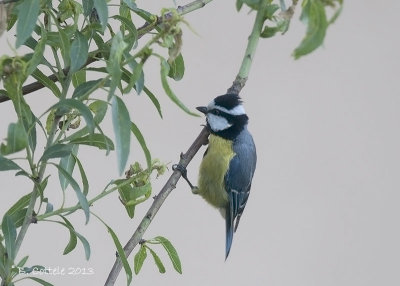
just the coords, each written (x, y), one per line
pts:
(225, 115)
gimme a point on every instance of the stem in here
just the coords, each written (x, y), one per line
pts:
(201, 139)
(252, 43)
(146, 28)
(28, 217)
(157, 203)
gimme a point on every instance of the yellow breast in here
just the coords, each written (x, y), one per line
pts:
(213, 169)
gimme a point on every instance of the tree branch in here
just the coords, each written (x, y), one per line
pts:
(201, 139)
(146, 28)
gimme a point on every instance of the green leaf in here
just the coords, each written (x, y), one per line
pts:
(68, 164)
(10, 235)
(7, 164)
(40, 281)
(157, 260)
(43, 79)
(85, 181)
(86, 245)
(97, 140)
(37, 54)
(130, 3)
(99, 108)
(86, 88)
(78, 78)
(81, 197)
(168, 90)
(28, 12)
(153, 99)
(128, 24)
(313, 14)
(114, 62)
(87, 7)
(177, 68)
(79, 52)
(73, 240)
(135, 130)
(20, 204)
(16, 139)
(173, 255)
(65, 47)
(139, 259)
(121, 254)
(137, 77)
(22, 262)
(131, 195)
(82, 108)
(57, 151)
(122, 129)
(102, 11)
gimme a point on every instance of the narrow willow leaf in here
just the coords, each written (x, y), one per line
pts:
(28, 12)
(87, 7)
(78, 78)
(102, 11)
(57, 151)
(121, 254)
(37, 56)
(40, 281)
(140, 257)
(79, 52)
(153, 99)
(114, 62)
(81, 197)
(16, 139)
(128, 24)
(130, 3)
(65, 47)
(82, 108)
(43, 79)
(68, 164)
(22, 262)
(100, 141)
(168, 90)
(20, 204)
(122, 129)
(99, 108)
(7, 164)
(177, 68)
(313, 14)
(10, 235)
(73, 240)
(85, 181)
(157, 260)
(135, 130)
(86, 88)
(49, 208)
(86, 245)
(173, 255)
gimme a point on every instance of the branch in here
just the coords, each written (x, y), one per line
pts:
(201, 139)
(146, 28)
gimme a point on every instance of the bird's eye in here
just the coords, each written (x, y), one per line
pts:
(216, 112)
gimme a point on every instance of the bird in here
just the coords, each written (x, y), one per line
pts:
(228, 165)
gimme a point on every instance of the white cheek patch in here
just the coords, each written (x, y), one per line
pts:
(217, 123)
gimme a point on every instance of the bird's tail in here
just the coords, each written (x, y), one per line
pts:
(229, 232)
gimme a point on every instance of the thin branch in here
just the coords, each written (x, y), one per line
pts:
(146, 28)
(201, 139)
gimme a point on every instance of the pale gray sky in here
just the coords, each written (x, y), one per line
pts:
(324, 207)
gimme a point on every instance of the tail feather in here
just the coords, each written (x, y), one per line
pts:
(229, 232)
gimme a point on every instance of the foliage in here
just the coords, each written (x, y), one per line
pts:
(65, 37)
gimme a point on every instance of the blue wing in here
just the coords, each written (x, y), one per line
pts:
(238, 183)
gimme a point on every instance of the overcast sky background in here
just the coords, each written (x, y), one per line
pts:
(324, 207)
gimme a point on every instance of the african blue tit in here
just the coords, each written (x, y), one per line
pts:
(229, 162)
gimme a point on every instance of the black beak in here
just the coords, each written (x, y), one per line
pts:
(202, 109)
